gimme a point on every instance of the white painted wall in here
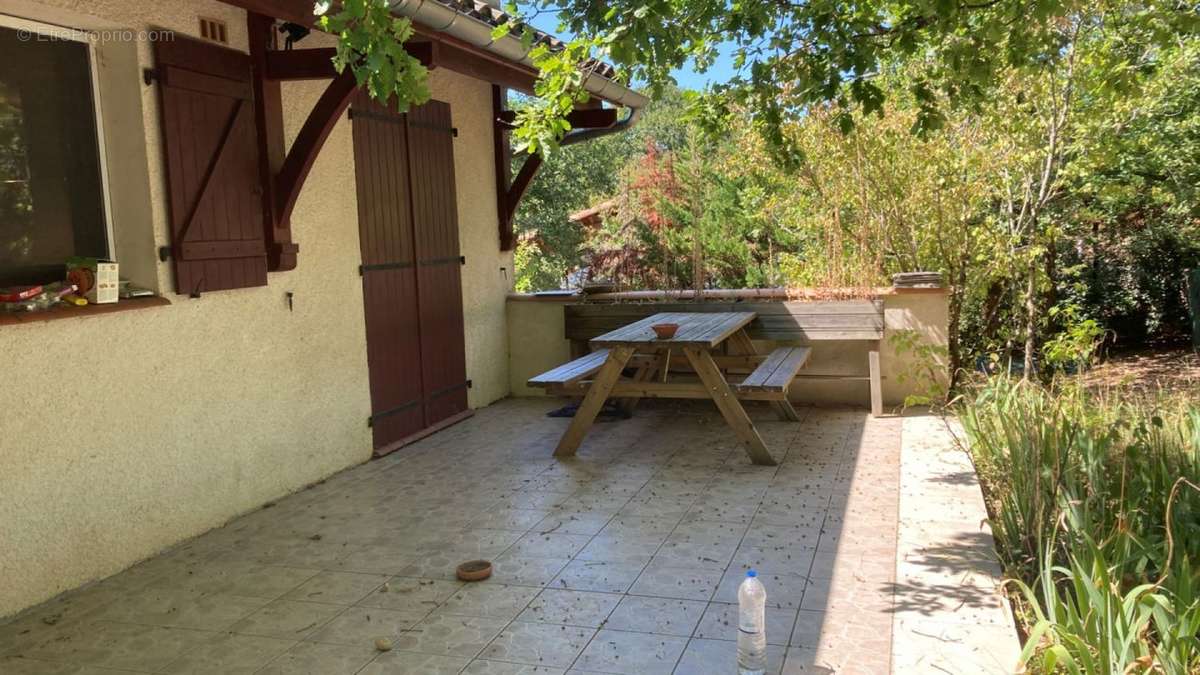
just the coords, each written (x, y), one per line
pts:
(125, 433)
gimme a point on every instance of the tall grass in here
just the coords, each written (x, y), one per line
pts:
(1093, 522)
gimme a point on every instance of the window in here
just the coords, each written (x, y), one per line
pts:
(52, 193)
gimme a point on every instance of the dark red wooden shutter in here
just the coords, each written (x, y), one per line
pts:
(211, 153)
(439, 272)
(388, 271)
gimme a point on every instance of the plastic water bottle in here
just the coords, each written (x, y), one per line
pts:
(752, 626)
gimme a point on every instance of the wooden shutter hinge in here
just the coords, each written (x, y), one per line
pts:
(149, 75)
(164, 253)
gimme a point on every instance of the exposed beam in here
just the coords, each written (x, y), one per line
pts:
(476, 63)
(453, 53)
(520, 184)
(296, 11)
(301, 64)
(272, 149)
(317, 64)
(320, 122)
(503, 157)
(588, 118)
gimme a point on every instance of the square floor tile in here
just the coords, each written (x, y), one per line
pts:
(411, 663)
(631, 653)
(181, 609)
(663, 581)
(665, 616)
(720, 622)
(118, 645)
(619, 550)
(539, 644)
(364, 625)
(312, 658)
(553, 545)
(488, 599)
(598, 575)
(572, 608)
(411, 594)
(572, 522)
(783, 590)
(287, 619)
(342, 588)
(703, 657)
(17, 665)
(485, 667)
(229, 654)
(510, 569)
(446, 635)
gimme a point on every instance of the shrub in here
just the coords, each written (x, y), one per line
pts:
(1095, 502)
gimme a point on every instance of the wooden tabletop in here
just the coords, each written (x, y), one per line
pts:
(696, 329)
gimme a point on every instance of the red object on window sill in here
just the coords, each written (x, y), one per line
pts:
(19, 293)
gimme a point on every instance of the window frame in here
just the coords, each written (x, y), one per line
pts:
(88, 39)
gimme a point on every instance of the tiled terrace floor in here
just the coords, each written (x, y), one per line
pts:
(623, 560)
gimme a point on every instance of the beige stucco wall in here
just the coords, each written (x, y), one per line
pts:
(125, 433)
(537, 344)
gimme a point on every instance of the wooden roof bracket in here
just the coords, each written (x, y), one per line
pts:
(587, 122)
(283, 172)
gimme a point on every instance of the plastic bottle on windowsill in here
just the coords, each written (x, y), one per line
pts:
(752, 628)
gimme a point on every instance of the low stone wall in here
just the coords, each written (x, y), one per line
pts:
(912, 318)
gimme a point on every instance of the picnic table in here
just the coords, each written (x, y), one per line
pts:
(597, 376)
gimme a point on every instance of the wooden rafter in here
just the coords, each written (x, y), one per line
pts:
(272, 149)
(312, 135)
(587, 118)
(508, 192)
(503, 158)
(317, 64)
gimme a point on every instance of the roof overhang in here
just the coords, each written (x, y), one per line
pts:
(463, 31)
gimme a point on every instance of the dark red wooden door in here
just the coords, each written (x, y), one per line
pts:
(408, 229)
(439, 276)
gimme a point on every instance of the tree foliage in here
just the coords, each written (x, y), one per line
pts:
(1065, 209)
(371, 43)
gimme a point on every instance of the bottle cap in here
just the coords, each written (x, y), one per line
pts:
(751, 574)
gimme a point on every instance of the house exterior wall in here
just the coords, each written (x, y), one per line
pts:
(124, 433)
(538, 343)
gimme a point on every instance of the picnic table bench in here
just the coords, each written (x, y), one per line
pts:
(597, 376)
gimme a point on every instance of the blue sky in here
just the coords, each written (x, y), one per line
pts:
(720, 71)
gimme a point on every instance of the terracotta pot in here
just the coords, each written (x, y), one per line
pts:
(665, 331)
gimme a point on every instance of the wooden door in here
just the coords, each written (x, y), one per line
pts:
(408, 232)
(439, 275)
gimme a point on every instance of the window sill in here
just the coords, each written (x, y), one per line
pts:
(72, 312)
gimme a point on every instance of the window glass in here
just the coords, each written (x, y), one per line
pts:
(51, 187)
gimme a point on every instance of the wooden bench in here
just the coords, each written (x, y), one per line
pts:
(773, 377)
(801, 323)
(571, 372)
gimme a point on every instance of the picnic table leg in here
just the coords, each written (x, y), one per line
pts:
(643, 373)
(735, 415)
(593, 401)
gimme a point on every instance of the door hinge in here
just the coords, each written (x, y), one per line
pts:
(164, 253)
(462, 260)
(149, 75)
(468, 384)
